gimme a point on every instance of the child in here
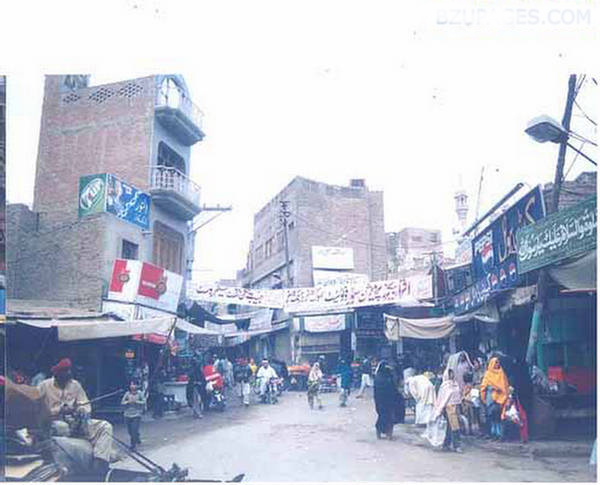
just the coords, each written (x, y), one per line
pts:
(514, 418)
(467, 406)
(134, 403)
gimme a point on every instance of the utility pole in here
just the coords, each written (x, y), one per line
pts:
(283, 216)
(542, 284)
(434, 267)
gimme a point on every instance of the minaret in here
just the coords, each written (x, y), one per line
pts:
(461, 206)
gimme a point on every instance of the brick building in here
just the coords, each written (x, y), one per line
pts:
(334, 233)
(141, 132)
(320, 215)
(410, 251)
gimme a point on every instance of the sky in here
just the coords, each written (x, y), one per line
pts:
(413, 96)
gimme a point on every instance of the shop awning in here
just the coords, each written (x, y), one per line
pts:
(421, 328)
(488, 313)
(253, 333)
(91, 329)
(578, 273)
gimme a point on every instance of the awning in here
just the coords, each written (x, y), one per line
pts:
(253, 333)
(422, 328)
(488, 313)
(91, 329)
(579, 273)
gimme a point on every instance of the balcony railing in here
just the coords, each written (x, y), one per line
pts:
(172, 99)
(171, 179)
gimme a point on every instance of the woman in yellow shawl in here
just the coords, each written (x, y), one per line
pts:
(494, 393)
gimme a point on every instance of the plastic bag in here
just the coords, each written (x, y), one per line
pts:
(435, 432)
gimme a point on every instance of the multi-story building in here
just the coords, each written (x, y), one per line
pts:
(140, 131)
(410, 251)
(319, 216)
(334, 234)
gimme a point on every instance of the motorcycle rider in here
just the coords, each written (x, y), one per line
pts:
(264, 375)
(66, 401)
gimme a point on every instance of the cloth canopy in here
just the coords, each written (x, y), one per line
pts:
(576, 274)
(488, 313)
(423, 328)
(90, 329)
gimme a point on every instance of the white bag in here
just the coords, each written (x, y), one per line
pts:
(435, 432)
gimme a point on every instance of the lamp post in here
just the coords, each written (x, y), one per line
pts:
(543, 129)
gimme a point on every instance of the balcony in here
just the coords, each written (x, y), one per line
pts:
(177, 113)
(172, 191)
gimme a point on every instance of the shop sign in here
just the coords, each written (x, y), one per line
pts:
(106, 193)
(419, 287)
(325, 257)
(561, 235)
(495, 248)
(143, 283)
(240, 296)
(495, 253)
(325, 323)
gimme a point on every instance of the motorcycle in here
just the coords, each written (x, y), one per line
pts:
(271, 391)
(217, 399)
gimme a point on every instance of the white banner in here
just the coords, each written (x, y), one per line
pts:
(325, 323)
(324, 257)
(318, 299)
(419, 287)
(240, 296)
(327, 278)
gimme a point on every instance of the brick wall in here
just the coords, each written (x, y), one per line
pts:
(91, 130)
(322, 215)
(64, 263)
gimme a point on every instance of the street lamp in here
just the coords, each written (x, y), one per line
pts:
(544, 128)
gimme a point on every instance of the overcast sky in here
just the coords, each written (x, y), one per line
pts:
(408, 95)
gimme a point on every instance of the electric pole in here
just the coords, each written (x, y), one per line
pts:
(542, 284)
(283, 217)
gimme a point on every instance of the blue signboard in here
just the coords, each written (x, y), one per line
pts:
(495, 252)
(127, 203)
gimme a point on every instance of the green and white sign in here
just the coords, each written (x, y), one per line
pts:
(561, 235)
(92, 194)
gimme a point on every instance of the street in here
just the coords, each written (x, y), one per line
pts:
(289, 442)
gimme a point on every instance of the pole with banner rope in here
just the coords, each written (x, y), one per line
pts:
(161, 358)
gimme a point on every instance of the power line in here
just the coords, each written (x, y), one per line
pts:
(574, 160)
(585, 114)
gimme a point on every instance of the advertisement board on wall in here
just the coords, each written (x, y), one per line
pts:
(146, 284)
(127, 203)
(419, 287)
(324, 257)
(92, 194)
(495, 252)
(567, 233)
(106, 193)
(329, 277)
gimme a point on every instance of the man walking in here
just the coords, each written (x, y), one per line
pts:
(345, 373)
(242, 377)
(365, 380)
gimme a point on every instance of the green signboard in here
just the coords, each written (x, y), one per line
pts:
(567, 233)
(92, 194)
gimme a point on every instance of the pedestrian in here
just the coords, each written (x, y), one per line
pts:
(158, 395)
(514, 420)
(196, 388)
(365, 378)
(134, 403)
(422, 391)
(243, 376)
(460, 364)
(494, 393)
(38, 378)
(386, 401)
(447, 403)
(345, 373)
(314, 383)
(229, 379)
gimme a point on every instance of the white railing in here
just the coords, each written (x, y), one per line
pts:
(169, 178)
(172, 96)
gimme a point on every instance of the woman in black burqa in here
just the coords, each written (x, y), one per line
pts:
(386, 401)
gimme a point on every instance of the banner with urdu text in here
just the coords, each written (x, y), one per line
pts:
(324, 298)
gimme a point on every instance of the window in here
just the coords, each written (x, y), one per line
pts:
(258, 254)
(269, 248)
(129, 250)
(433, 238)
(279, 244)
(167, 157)
(168, 248)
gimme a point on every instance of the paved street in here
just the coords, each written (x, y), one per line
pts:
(288, 442)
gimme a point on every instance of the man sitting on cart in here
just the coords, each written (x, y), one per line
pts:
(70, 409)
